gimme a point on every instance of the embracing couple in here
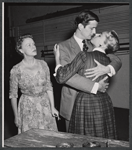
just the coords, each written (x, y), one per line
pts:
(84, 64)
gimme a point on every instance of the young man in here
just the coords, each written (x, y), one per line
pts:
(86, 23)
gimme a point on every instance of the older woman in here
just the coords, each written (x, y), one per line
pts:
(36, 104)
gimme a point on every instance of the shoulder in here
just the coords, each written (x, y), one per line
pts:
(99, 54)
(69, 47)
(67, 42)
(15, 68)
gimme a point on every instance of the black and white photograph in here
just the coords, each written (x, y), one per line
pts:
(65, 74)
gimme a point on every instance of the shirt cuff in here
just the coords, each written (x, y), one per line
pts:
(112, 71)
(56, 68)
(95, 88)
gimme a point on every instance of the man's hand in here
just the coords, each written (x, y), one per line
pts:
(102, 85)
(97, 71)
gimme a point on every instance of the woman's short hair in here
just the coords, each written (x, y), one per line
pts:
(112, 47)
(20, 41)
(85, 16)
(115, 36)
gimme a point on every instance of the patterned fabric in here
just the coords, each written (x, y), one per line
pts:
(65, 73)
(85, 47)
(34, 106)
(92, 114)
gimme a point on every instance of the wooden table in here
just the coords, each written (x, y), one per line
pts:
(44, 138)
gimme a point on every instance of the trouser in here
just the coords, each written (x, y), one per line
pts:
(67, 124)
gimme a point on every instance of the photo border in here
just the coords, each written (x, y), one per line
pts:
(62, 1)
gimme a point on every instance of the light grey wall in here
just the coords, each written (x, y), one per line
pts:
(119, 88)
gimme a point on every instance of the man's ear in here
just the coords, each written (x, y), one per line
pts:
(80, 26)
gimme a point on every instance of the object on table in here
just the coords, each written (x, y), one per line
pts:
(91, 144)
(107, 143)
(65, 144)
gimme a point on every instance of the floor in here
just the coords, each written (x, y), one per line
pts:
(122, 122)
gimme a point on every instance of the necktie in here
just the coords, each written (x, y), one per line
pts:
(85, 47)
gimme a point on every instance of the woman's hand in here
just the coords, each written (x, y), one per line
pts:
(16, 121)
(57, 54)
(55, 113)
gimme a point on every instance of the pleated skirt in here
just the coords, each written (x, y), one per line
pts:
(93, 115)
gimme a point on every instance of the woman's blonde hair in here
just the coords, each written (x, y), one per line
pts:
(112, 46)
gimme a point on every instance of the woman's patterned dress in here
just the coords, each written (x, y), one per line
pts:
(34, 106)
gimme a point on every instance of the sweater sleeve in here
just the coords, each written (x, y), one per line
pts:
(66, 72)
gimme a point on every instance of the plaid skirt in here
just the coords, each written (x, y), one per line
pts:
(93, 115)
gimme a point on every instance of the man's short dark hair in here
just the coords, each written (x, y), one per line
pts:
(85, 16)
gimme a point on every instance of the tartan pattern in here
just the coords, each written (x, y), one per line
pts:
(66, 72)
(89, 63)
(93, 115)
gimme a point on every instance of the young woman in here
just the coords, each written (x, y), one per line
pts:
(36, 104)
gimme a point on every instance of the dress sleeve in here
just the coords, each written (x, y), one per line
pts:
(69, 70)
(48, 84)
(13, 93)
(115, 62)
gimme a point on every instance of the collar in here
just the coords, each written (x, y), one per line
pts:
(99, 49)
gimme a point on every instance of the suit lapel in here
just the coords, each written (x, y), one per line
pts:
(74, 46)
